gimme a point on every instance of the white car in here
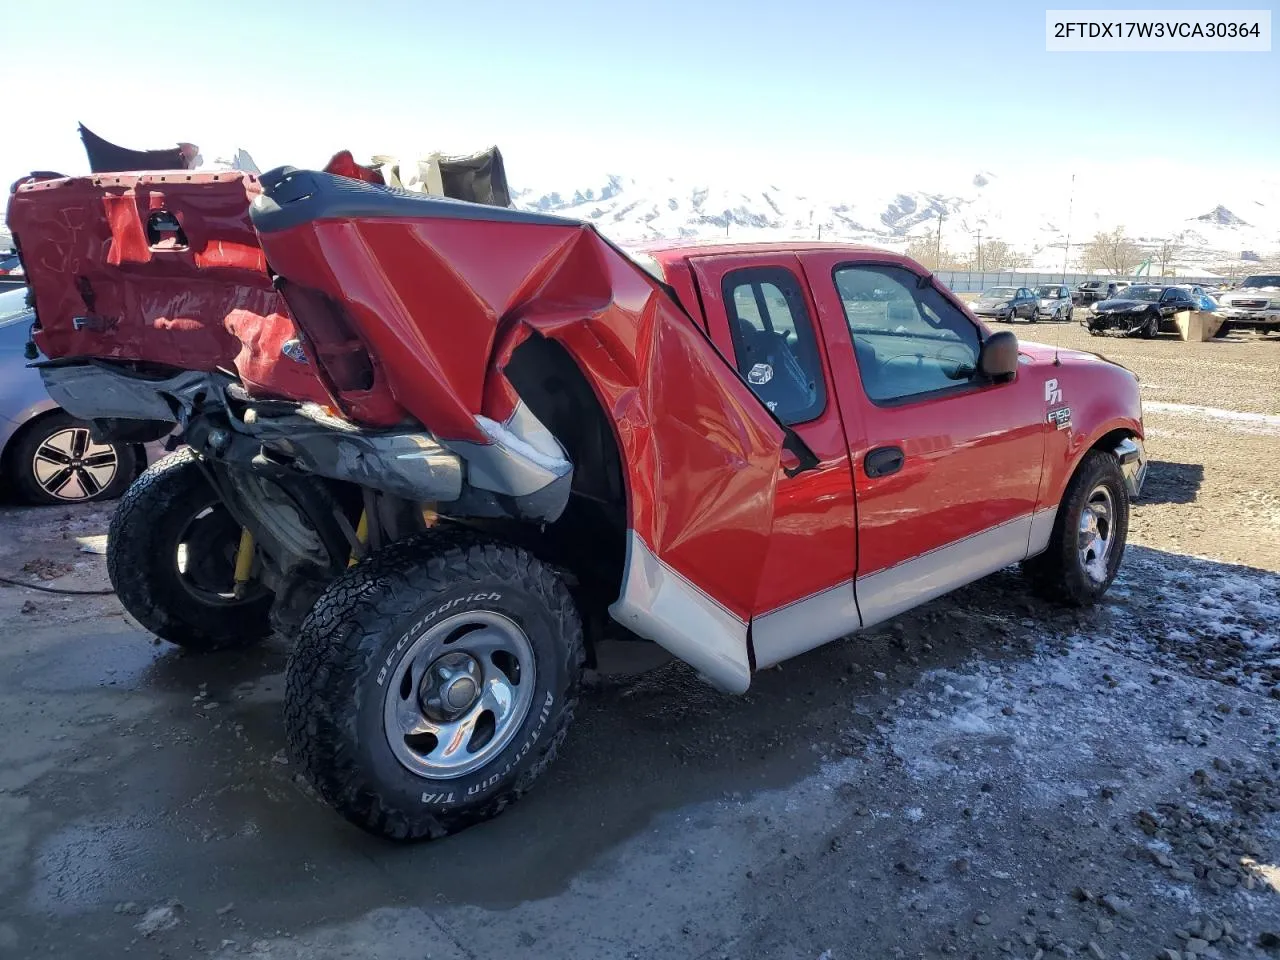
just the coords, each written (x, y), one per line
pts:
(1255, 303)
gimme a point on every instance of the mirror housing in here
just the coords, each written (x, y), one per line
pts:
(998, 359)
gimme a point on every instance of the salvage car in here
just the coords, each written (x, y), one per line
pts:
(448, 445)
(1143, 310)
(46, 455)
(1007, 304)
(1053, 301)
(1255, 303)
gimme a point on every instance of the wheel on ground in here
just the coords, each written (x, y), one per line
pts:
(171, 554)
(1089, 533)
(1034, 317)
(55, 460)
(433, 683)
(1150, 328)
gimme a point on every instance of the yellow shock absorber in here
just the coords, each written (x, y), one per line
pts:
(362, 535)
(244, 562)
(429, 515)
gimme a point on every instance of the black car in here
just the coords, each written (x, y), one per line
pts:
(1093, 291)
(1143, 311)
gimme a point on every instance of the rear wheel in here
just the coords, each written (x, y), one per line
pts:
(1089, 535)
(55, 460)
(433, 683)
(171, 554)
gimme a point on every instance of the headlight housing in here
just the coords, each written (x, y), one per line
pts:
(1093, 307)
(1273, 304)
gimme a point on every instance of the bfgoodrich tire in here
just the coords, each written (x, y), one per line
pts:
(433, 683)
(1089, 534)
(171, 559)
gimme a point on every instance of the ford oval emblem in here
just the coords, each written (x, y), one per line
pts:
(293, 350)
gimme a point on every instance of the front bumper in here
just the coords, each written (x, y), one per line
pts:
(1122, 324)
(1249, 315)
(1133, 464)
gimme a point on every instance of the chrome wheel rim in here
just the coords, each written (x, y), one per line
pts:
(68, 465)
(1097, 534)
(459, 695)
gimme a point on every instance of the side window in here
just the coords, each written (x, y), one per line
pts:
(774, 341)
(909, 340)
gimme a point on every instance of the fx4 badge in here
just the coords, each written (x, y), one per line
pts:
(1060, 418)
(1052, 394)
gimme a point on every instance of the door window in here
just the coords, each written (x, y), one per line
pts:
(774, 342)
(909, 340)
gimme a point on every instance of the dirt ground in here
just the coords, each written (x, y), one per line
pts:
(985, 777)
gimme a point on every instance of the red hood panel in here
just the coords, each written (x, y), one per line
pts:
(199, 299)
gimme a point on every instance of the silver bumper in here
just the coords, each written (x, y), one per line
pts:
(1133, 464)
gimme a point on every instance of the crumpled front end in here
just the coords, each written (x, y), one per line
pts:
(420, 303)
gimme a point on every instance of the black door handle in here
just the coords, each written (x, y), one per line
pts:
(883, 461)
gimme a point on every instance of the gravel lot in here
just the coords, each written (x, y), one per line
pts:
(984, 777)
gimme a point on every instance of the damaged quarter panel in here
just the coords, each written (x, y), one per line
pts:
(441, 290)
(162, 268)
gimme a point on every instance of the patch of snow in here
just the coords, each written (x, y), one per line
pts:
(517, 445)
(1235, 419)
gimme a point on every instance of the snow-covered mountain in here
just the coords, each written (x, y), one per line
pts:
(1204, 220)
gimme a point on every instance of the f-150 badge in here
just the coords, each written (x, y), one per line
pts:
(1061, 417)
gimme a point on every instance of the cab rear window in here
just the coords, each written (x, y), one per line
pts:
(774, 342)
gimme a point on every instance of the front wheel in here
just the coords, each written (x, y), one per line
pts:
(1034, 316)
(1150, 328)
(433, 683)
(1089, 535)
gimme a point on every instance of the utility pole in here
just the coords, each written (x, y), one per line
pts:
(1067, 252)
(819, 231)
(980, 251)
(937, 247)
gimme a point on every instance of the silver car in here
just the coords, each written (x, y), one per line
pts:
(1054, 301)
(46, 455)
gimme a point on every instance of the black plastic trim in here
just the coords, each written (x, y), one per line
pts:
(292, 197)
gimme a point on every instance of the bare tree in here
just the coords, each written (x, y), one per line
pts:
(1112, 251)
(927, 252)
(1166, 253)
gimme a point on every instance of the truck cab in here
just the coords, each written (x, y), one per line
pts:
(930, 472)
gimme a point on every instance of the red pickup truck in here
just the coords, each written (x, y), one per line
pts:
(456, 443)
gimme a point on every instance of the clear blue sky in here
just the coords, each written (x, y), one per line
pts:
(627, 86)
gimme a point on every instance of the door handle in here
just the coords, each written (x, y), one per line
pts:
(883, 461)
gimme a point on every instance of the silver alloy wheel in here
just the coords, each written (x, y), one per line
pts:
(68, 465)
(459, 694)
(1097, 533)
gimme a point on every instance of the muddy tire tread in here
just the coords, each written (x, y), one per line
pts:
(340, 645)
(170, 481)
